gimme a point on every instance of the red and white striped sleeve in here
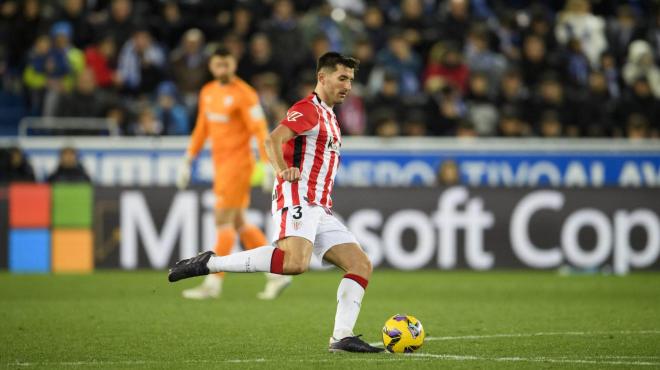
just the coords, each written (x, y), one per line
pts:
(302, 116)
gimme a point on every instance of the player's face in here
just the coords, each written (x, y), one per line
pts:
(338, 84)
(222, 68)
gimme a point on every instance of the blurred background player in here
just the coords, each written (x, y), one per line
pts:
(230, 115)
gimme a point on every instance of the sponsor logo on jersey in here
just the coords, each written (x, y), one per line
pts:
(292, 115)
(333, 145)
(217, 117)
(229, 100)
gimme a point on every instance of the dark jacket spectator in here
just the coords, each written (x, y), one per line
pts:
(69, 169)
(16, 168)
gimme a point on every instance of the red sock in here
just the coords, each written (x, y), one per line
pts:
(277, 262)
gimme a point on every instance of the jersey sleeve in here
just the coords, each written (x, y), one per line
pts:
(200, 133)
(255, 120)
(302, 117)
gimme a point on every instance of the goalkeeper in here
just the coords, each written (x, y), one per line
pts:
(230, 116)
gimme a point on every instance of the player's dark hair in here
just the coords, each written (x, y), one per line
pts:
(331, 59)
(221, 51)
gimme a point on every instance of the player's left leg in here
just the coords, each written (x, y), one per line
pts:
(335, 244)
(252, 237)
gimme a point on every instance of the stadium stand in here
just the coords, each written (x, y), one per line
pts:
(457, 67)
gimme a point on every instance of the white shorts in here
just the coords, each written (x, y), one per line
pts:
(313, 223)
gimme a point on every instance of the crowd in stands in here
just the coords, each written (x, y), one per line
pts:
(515, 68)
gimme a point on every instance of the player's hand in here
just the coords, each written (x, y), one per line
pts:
(291, 174)
(183, 173)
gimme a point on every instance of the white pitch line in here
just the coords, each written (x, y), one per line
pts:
(388, 358)
(539, 334)
(533, 359)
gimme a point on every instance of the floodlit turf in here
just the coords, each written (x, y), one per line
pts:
(473, 320)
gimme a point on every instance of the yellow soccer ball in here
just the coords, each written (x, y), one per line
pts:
(403, 334)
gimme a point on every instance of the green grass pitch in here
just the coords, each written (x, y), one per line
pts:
(472, 320)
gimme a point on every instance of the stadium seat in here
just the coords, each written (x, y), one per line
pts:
(29, 205)
(72, 250)
(29, 250)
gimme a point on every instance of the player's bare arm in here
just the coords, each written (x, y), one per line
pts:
(281, 134)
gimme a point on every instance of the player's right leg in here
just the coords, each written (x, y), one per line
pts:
(252, 237)
(211, 287)
(291, 257)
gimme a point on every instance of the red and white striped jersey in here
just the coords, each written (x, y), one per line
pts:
(314, 150)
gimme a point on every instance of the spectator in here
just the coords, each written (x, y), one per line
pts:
(100, 58)
(74, 13)
(576, 65)
(637, 127)
(141, 63)
(640, 100)
(169, 111)
(417, 28)
(509, 36)
(189, 66)
(169, 25)
(465, 129)
(374, 23)
(513, 91)
(352, 113)
(480, 58)
(511, 124)
(446, 62)
(364, 52)
(62, 33)
(597, 107)
(456, 21)
(285, 36)
(414, 123)
(481, 110)
(42, 66)
(242, 24)
(27, 25)
(69, 168)
(623, 30)
(551, 95)
(550, 126)
(577, 22)
(448, 173)
(86, 100)
(401, 59)
(147, 123)
(268, 88)
(319, 20)
(612, 74)
(451, 111)
(118, 21)
(19, 169)
(640, 64)
(387, 99)
(535, 60)
(384, 124)
(259, 59)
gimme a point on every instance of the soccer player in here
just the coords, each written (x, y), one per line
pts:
(230, 115)
(304, 152)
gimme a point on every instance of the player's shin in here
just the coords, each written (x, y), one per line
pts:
(349, 299)
(262, 259)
